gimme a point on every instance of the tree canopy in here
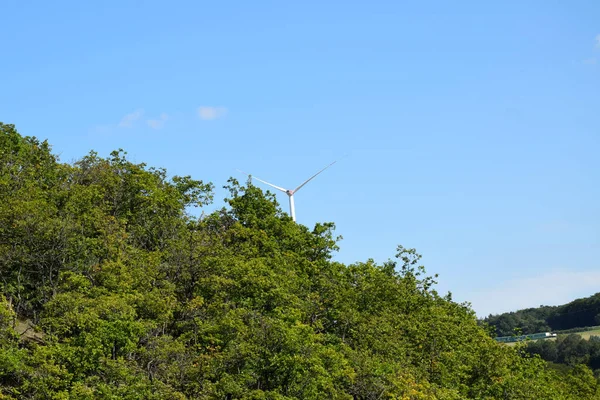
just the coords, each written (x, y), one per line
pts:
(579, 313)
(125, 294)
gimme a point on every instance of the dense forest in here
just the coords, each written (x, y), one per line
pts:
(579, 313)
(570, 350)
(111, 288)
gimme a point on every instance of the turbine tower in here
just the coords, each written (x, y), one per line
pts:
(289, 192)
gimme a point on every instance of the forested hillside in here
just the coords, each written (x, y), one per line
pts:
(579, 313)
(129, 296)
(569, 349)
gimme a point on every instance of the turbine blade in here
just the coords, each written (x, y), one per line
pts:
(270, 184)
(245, 173)
(265, 182)
(312, 177)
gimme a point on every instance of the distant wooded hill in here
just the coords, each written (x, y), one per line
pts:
(576, 314)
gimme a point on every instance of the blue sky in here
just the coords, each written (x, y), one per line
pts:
(471, 128)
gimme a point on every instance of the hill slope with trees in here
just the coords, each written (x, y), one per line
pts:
(133, 297)
(579, 313)
(570, 350)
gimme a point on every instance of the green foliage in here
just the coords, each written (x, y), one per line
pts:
(528, 321)
(137, 299)
(575, 316)
(570, 350)
(578, 313)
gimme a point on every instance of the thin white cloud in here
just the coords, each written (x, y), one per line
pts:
(158, 123)
(208, 113)
(101, 129)
(554, 287)
(128, 120)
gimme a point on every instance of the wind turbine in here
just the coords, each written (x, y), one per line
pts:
(289, 192)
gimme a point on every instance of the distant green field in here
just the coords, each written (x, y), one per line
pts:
(584, 334)
(587, 334)
(595, 331)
